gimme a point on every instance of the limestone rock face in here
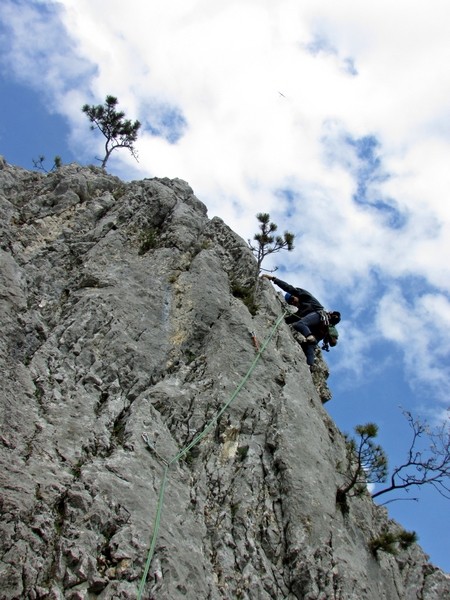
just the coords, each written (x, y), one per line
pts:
(120, 317)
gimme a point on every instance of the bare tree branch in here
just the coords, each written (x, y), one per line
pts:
(427, 460)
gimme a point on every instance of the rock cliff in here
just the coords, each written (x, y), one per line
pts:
(122, 315)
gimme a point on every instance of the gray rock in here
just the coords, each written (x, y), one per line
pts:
(118, 319)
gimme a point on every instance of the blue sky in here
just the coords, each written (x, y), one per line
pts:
(332, 117)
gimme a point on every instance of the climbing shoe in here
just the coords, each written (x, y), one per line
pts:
(299, 337)
(311, 339)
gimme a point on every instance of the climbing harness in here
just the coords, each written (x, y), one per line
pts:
(324, 316)
(194, 442)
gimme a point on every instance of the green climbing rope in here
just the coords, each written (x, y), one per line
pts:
(193, 443)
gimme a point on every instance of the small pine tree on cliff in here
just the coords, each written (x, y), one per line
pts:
(119, 132)
(427, 461)
(268, 243)
(366, 463)
(39, 164)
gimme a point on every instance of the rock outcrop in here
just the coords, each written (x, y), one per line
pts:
(122, 315)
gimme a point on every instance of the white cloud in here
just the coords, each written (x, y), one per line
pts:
(277, 96)
(419, 326)
(38, 51)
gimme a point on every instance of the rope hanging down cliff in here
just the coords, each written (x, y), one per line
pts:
(193, 443)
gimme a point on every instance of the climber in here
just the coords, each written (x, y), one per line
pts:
(311, 319)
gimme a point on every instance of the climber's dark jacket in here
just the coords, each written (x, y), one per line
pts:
(308, 303)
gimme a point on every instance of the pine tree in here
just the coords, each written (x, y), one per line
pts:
(366, 462)
(119, 132)
(39, 163)
(268, 243)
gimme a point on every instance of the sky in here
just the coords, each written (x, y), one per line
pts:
(333, 117)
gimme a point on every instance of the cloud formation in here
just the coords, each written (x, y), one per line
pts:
(332, 117)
